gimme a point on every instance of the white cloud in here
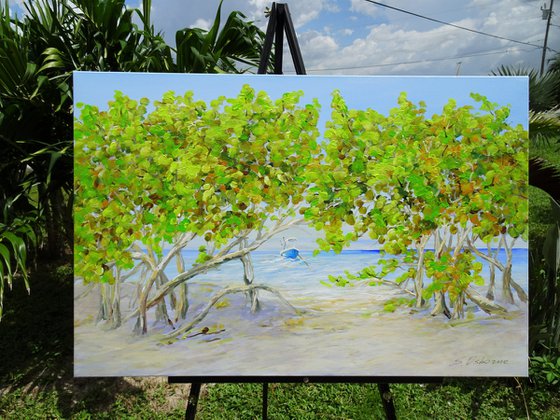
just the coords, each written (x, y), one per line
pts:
(205, 24)
(407, 45)
(332, 7)
(302, 12)
(305, 11)
(260, 4)
(316, 45)
(363, 7)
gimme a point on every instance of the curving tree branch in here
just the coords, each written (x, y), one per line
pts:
(228, 290)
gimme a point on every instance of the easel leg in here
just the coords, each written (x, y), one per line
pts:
(265, 402)
(192, 402)
(387, 399)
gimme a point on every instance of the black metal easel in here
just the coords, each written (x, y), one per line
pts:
(280, 22)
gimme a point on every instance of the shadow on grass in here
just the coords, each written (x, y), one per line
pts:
(36, 329)
(36, 345)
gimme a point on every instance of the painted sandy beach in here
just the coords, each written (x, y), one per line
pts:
(343, 328)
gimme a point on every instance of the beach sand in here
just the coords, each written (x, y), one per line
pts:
(345, 333)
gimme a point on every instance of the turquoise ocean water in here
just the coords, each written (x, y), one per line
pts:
(301, 278)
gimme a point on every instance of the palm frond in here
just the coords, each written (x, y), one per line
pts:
(545, 176)
(543, 90)
(219, 50)
(544, 125)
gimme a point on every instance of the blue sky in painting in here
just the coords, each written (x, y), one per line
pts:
(377, 92)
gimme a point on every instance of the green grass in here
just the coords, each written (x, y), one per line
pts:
(292, 401)
(457, 399)
(452, 399)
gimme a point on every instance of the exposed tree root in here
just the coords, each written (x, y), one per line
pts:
(519, 290)
(227, 291)
(440, 306)
(485, 304)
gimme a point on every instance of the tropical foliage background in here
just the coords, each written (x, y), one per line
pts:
(39, 51)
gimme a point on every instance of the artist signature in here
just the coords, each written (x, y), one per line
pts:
(478, 361)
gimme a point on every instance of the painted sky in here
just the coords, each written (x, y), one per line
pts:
(360, 37)
(377, 92)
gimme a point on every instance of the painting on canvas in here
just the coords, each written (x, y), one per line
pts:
(251, 225)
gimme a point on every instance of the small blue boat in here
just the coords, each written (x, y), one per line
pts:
(291, 253)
